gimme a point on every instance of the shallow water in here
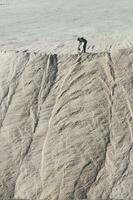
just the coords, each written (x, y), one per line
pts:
(42, 19)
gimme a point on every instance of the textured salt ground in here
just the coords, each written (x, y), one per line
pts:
(66, 126)
(67, 44)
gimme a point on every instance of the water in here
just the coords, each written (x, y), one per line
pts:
(42, 19)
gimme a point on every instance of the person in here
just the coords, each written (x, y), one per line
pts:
(84, 42)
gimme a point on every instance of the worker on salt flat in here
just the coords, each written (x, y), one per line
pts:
(84, 42)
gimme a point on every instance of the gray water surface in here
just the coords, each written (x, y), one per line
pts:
(45, 18)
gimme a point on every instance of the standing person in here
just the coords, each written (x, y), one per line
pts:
(84, 42)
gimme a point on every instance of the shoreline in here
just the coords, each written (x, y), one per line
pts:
(96, 43)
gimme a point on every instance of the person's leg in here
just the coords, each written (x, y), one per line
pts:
(84, 47)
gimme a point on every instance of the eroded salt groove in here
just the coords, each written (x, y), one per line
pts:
(66, 126)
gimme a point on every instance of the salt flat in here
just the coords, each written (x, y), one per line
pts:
(66, 125)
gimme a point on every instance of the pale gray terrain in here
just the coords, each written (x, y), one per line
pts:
(66, 126)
